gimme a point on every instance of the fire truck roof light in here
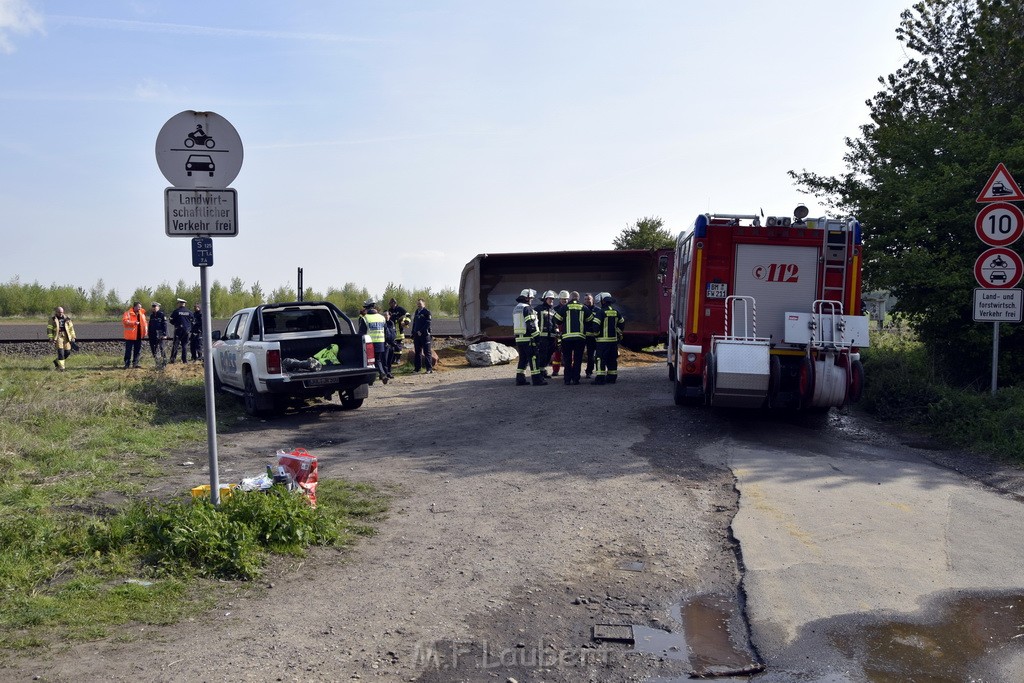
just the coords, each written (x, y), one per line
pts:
(855, 226)
(700, 226)
(800, 212)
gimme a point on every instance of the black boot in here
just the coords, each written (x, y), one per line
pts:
(539, 381)
(521, 381)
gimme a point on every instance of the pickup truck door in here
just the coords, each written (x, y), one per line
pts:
(229, 354)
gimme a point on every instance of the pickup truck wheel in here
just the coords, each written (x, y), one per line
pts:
(250, 396)
(350, 403)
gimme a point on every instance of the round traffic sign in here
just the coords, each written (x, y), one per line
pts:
(999, 224)
(199, 149)
(998, 268)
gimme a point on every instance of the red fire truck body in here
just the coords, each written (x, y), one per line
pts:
(767, 315)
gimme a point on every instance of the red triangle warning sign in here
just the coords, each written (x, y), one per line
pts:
(1001, 187)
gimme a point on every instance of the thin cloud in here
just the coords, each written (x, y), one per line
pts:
(189, 29)
(16, 16)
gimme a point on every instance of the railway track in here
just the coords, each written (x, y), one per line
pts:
(23, 333)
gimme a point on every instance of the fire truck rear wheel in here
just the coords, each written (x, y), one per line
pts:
(774, 380)
(856, 390)
(806, 382)
(709, 376)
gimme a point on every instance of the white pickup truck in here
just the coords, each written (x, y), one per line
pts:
(252, 355)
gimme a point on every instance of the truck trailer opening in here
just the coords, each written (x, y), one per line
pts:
(767, 315)
(639, 279)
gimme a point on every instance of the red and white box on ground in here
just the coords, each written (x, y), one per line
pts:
(301, 468)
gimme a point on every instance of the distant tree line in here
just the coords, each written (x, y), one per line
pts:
(18, 299)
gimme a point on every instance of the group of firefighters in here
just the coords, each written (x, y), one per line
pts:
(561, 334)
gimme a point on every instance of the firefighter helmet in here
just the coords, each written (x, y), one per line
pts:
(550, 294)
(564, 294)
(528, 293)
(602, 296)
(369, 303)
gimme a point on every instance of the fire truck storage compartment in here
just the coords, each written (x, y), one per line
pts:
(741, 373)
(845, 330)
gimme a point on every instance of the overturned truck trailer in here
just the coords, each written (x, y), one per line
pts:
(639, 279)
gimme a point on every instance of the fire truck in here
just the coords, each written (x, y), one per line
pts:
(767, 315)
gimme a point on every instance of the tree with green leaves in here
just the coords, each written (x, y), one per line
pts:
(646, 233)
(938, 128)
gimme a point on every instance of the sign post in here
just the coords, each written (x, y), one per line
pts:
(999, 269)
(200, 154)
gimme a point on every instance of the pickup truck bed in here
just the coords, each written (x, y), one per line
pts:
(249, 356)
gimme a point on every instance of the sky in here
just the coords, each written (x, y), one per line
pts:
(392, 141)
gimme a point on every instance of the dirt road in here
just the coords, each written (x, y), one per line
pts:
(523, 519)
(520, 515)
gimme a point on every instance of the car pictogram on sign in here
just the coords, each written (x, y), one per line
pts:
(199, 162)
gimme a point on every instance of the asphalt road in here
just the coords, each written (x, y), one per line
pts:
(865, 558)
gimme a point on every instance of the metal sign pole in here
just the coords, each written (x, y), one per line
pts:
(211, 408)
(995, 356)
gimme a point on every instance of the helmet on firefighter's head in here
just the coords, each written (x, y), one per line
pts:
(528, 293)
(608, 300)
(550, 294)
(564, 294)
(369, 303)
(602, 296)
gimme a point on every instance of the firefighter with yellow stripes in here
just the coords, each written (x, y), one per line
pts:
(572, 317)
(526, 330)
(609, 324)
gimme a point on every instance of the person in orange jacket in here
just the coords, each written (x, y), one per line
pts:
(135, 330)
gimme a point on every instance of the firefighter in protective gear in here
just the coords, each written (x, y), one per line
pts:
(589, 334)
(372, 323)
(548, 335)
(524, 326)
(572, 318)
(61, 331)
(610, 324)
(556, 354)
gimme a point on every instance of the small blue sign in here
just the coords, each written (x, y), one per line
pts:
(202, 251)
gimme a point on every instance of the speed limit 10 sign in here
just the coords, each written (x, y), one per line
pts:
(999, 224)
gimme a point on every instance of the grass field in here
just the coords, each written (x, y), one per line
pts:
(81, 550)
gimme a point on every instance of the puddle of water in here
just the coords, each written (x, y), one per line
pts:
(705, 640)
(657, 642)
(968, 632)
(713, 648)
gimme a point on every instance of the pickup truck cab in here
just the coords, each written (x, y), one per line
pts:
(248, 356)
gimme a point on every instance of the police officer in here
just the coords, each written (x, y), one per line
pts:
(195, 340)
(610, 325)
(548, 335)
(157, 333)
(572, 318)
(524, 326)
(182, 321)
(372, 323)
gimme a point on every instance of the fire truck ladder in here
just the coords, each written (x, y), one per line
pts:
(835, 252)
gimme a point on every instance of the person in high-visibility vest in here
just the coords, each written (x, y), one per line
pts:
(524, 327)
(136, 328)
(372, 323)
(571, 317)
(61, 331)
(547, 337)
(610, 324)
